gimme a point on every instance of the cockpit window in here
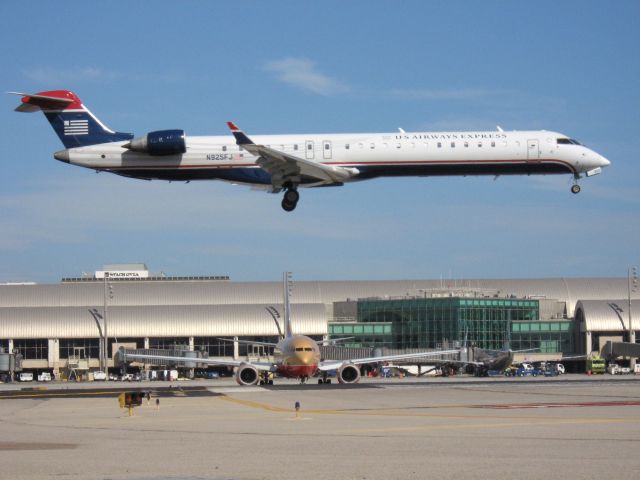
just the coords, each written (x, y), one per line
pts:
(308, 349)
(568, 141)
(299, 349)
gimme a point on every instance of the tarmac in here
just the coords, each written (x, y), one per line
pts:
(573, 427)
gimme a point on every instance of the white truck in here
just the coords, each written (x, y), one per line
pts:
(99, 376)
(25, 377)
(615, 369)
(44, 377)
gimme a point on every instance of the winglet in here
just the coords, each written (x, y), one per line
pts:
(241, 138)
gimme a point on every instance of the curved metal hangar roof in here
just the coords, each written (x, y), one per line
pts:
(170, 308)
(607, 315)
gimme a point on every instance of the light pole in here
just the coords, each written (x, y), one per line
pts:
(632, 286)
(108, 294)
(96, 316)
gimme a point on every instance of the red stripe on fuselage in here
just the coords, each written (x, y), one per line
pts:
(297, 371)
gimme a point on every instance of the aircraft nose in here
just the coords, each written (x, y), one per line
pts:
(604, 162)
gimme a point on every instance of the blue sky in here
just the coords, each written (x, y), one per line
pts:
(333, 66)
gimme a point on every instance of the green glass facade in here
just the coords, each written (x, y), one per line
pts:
(372, 334)
(434, 322)
(546, 336)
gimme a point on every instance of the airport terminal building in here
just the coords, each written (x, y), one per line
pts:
(58, 327)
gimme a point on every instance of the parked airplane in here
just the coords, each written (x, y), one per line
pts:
(483, 362)
(286, 162)
(295, 356)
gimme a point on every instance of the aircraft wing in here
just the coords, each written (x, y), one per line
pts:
(326, 365)
(284, 167)
(268, 367)
(247, 342)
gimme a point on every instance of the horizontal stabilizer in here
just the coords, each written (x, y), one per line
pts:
(58, 100)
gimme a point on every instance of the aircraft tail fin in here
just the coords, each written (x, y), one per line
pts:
(74, 124)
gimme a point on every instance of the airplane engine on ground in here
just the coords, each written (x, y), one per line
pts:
(161, 142)
(349, 374)
(247, 375)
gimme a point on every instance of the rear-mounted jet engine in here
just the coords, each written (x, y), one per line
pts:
(161, 142)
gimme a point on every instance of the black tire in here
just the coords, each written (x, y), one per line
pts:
(291, 196)
(575, 189)
(288, 207)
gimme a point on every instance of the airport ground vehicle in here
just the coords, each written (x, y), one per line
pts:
(551, 369)
(615, 369)
(528, 370)
(99, 376)
(25, 377)
(596, 364)
(510, 371)
(44, 377)
(524, 370)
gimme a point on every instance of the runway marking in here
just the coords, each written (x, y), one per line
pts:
(562, 405)
(66, 394)
(18, 446)
(163, 392)
(252, 404)
(472, 426)
(410, 411)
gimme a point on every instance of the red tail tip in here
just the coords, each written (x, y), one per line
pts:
(62, 94)
(233, 127)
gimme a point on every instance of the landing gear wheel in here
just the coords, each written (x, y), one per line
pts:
(290, 199)
(288, 207)
(291, 196)
(575, 188)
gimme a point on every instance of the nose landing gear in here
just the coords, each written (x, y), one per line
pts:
(290, 199)
(575, 188)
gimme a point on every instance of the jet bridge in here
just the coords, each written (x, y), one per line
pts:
(612, 350)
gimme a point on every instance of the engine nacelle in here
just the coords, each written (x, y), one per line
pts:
(247, 375)
(348, 374)
(162, 142)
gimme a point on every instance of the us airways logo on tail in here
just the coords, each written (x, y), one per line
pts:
(76, 127)
(74, 124)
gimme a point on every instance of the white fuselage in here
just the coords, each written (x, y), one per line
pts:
(367, 155)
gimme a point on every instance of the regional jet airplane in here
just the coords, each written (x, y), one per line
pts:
(295, 356)
(279, 163)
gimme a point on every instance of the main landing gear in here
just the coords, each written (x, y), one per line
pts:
(266, 378)
(290, 199)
